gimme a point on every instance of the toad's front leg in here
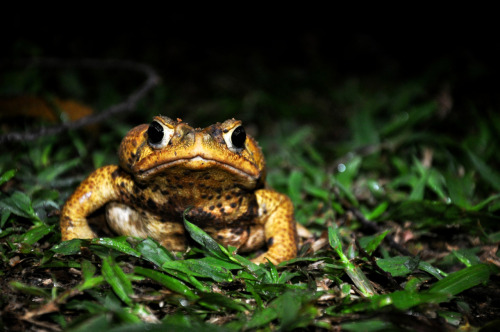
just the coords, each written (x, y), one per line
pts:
(94, 192)
(276, 214)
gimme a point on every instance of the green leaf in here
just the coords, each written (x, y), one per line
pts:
(204, 239)
(262, 317)
(354, 272)
(222, 301)
(417, 193)
(200, 268)
(30, 290)
(117, 279)
(19, 204)
(52, 172)
(375, 242)
(433, 214)
(34, 234)
(71, 247)
(487, 173)
(7, 175)
(459, 281)
(398, 266)
(371, 325)
(404, 265)
(152, 251)
(295, 185)
(167, 281)
(88, 269)
(378, 211)
(119, 244)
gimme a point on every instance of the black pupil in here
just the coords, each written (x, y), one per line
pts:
(238, 137)
(155, 132)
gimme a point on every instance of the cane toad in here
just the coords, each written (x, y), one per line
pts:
(167, 167)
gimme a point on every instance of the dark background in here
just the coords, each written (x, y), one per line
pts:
(435, 47)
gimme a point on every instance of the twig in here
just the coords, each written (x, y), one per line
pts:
(152, 79)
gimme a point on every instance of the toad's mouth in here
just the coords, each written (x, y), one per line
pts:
(250, 173)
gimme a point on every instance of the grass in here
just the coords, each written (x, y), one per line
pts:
(401, 195)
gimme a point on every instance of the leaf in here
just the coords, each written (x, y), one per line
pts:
(167, 281)
(88, 269)
(31, 290)
(378, 211)
(459, 281)
(19, 204)
(200, 268)
(375, 242)
(402, 300)
(152, 251)
(34, 234)
(52, 172)
(7, 175)
(295, 185)
(354, 272)
(203, 238)
(398, 266)
(222, 301)
(117, 279)
(370, 325)
(434, 214)
(487, 173)
(119, 244)
(71, 247)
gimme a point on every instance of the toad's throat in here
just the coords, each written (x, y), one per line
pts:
(197, 163)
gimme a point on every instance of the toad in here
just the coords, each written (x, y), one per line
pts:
(216, 174)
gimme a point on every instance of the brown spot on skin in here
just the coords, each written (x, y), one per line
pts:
(233, 205)
(151, 203)
(211, 207)
(270, 241)
(116, 173)
(222, 210)
(219, 205)
(228, 197)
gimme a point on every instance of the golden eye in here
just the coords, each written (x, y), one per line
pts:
(235, 139)
(159, 135)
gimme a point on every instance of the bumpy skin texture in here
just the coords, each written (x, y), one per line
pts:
(217, 172)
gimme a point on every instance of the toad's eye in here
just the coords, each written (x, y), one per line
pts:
(159, 135)
(235, 138)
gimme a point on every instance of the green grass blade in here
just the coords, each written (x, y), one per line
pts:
(117, 279)
(152, 251)
(119, 244)
(204, 239)
(357, 276)
(201, 268)
(167, 281)
(459, 281)
(7, 175)
(70, 247)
